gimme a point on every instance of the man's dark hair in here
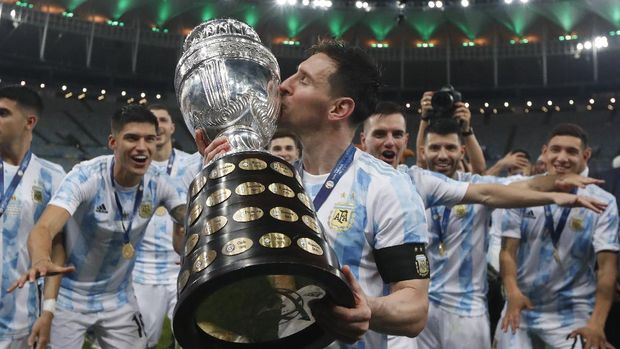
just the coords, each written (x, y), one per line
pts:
(156, 106)
(25, 97)
(132, 113)
(522, 151)
(444, 127)
(573, 130)
(283, 133)
(356, 76)
(387, 108)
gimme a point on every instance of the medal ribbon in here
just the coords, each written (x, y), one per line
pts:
(119, 206)
(170, 162)
(556, 231)
(330, 183)
(441, 225)
(6, 196)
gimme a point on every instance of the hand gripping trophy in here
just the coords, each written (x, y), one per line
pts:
(254, 254)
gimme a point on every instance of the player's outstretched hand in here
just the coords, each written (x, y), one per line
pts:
(571, 200)
(40, 269)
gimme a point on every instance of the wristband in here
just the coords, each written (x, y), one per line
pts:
(468, 132)
(49, 305)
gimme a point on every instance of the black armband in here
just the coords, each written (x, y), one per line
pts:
(403, 262)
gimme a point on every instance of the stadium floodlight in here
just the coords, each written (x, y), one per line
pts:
(123, 93)
(305, 2)
(508, 2)
(142, 95)
(408, 105)
(23, 83)
(524, 1)
(529, 103)
(84, 89)
(486, 104)
(42, 85)
(612, 100)
(465, 3)
(600, 42)
(549, 103)
(506, 104)
(431, 4)
(591, 101)
(571, 102)
(466, 104)
(158, 96)
(291, 2)
(579, 46)
(103, 92)
(280, 2)
(63, 87)
(358, 4)
(13, 13)
(438, 4)
(587, 45)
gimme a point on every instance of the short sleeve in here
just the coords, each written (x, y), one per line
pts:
(511, 222)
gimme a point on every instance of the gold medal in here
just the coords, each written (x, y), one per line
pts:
(161, 211)
(460, 210)
(442, 249)
(128, 250)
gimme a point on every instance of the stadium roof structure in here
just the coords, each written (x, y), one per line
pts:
(488, 44)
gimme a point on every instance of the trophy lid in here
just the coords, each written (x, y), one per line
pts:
(223, 27)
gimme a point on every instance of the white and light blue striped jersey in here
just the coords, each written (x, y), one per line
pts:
(19, 309)
(458, 281)
(372, 207)
(435, 188)
(102, 280)
(156, 261)
(557, 290)
(194, 165)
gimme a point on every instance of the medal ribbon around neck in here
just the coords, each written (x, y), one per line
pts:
(170, 163)
(346, 159)
(441, 225)
(119, 206)
(556, 231)
(6, 196)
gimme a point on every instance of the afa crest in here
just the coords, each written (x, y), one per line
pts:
(342, 216)
(37, 194)
(421, 265)
(146, 209)
(460, 210)
(576, 223)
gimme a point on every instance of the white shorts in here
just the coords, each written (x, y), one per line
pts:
(155, 302)
(119, 329)
(539, 339)
(446, 330)
(21, 343)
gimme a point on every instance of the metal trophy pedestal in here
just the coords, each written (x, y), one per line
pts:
(254, 257)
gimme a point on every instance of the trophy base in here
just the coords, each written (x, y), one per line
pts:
(260, 306)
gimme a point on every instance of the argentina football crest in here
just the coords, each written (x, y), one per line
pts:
(342, 216)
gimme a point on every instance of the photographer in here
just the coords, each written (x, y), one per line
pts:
(447, 103)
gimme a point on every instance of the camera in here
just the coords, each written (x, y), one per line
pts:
(443, 102)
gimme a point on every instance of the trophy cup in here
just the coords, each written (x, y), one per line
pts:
(255, 253)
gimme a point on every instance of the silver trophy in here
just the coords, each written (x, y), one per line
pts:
(254, 254)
